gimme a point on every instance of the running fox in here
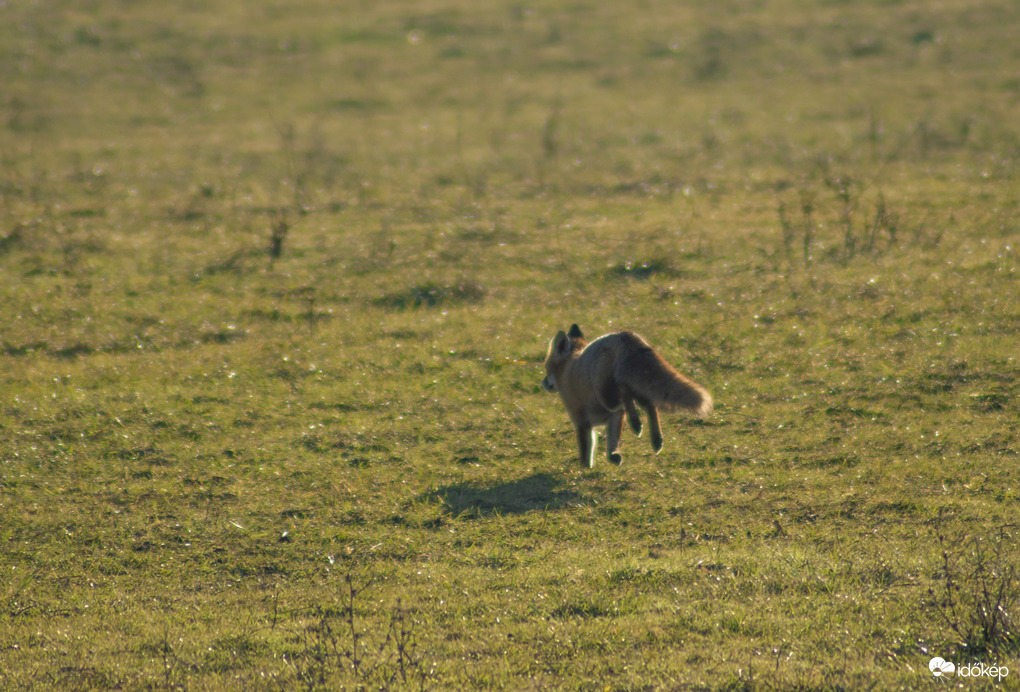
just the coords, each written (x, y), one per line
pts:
(601, 380)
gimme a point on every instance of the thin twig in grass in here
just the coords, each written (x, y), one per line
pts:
(288, 137)
(169, 658)
(711, 327)
(280, 227)
(550, 132)
(844, 188)
(850, 192)
(883, 221)
(711, 354)
(307, 294)
(789, 233)
(856, 238)
(336, 648)
(550, 140)
(921, 127)
(276, 607)
(978, 601)
(807, 206)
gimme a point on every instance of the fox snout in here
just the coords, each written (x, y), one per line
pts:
(548, 383)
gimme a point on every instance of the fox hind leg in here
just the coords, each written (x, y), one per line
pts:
(632, 415)
(653, 423)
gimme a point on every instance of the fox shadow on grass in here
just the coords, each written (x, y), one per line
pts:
(539, 491)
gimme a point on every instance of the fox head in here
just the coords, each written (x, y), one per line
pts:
(560, 350)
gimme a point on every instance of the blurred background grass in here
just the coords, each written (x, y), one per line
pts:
(278, 279)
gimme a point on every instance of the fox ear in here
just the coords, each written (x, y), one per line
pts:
(561, 344)
(575, 332)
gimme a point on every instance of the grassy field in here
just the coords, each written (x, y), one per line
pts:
(277, 280)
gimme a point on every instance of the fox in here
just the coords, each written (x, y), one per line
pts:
(601, 380)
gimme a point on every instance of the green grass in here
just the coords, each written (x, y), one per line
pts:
(335, 468)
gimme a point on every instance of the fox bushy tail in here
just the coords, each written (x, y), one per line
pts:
(648, 376)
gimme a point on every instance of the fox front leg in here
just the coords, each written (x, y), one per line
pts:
(587, 438)
(613, 427)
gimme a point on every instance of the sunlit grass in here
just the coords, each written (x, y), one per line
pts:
(205, 447)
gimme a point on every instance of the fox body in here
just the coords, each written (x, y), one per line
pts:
(601, 380)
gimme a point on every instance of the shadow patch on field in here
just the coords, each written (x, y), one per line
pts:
(429, 295)
(536, 492)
